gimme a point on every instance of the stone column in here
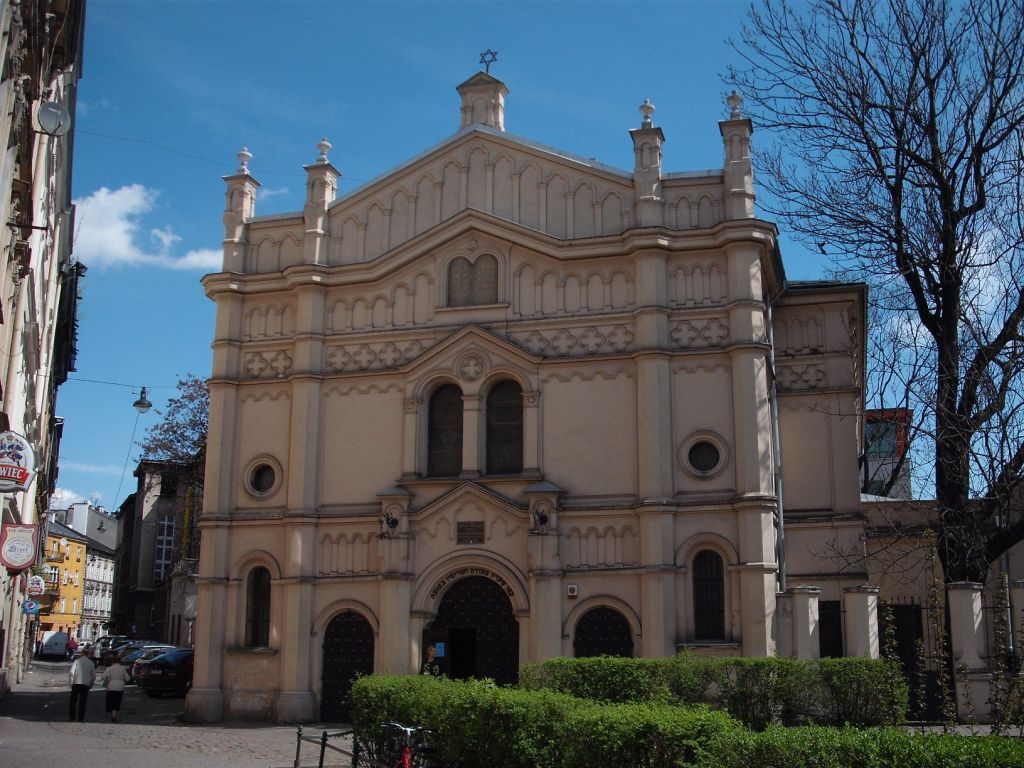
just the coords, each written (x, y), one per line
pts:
(1017, 613)
(861, 624)
(470, 436)
(804, 602)
(969, 644)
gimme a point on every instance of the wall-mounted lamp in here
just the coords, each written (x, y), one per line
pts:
(388, 523)
(142, 404)
(540, 519)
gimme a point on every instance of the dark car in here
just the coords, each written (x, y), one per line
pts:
(129, 656)
(169, 672)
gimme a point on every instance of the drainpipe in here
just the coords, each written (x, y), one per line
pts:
(773, 408)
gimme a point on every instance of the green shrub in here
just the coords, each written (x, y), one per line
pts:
(823, 747)
(478, 723)
(757, 691)
(859, 691)
(600, 678)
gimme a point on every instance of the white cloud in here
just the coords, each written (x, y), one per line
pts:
(109, 233)
(263, 193)
(63, 498)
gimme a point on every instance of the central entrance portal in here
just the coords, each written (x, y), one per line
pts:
(479, 631)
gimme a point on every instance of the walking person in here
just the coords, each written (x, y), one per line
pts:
(82, 675)
(115, 678)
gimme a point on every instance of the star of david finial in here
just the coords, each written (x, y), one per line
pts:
(487, 58)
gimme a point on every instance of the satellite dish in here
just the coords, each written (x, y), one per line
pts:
(53, 118)
(64, 543)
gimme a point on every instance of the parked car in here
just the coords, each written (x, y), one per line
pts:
(120, 648)
(169, 672)
(54, 644)
(142, 654)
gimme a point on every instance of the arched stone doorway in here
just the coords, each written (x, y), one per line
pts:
(603, 631)
(479, 630)
(347, 652)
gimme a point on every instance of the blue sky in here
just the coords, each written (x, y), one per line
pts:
(172, 89)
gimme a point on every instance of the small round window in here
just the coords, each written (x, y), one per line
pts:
(262, 478)
(704, 456)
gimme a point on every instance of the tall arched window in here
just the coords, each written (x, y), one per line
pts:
(257, 608)
(708, 596)
(505, 429)
(444, 432)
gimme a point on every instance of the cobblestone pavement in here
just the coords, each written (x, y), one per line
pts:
(35, 732)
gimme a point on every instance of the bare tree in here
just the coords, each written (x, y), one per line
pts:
(901, 155)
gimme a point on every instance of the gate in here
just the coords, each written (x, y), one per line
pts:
(480, 632)
(347, 652)
(603, 631)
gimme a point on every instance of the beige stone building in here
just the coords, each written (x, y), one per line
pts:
(518, 404)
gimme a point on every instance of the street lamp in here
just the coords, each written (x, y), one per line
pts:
(142, 404)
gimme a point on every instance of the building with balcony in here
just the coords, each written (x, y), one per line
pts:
(65, 562)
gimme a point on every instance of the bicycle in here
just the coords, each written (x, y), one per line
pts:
(404, 746)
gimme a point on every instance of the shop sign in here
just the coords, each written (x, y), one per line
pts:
(19, 546)
(17, 462)
(30, 607)
(36, 586)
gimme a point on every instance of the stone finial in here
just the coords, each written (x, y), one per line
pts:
(324, 146)
(243, 161)
(735, 101)
(647, 109)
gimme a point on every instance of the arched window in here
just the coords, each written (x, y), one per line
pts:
(505, 429)
(257, 608)
(444, 432)
(471, 284)
(708, 596)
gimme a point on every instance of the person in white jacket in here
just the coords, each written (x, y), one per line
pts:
(81, 675)
(115, 678)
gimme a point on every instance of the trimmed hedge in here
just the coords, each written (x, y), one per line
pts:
(821, 747)
(477, 723)
(757, 691)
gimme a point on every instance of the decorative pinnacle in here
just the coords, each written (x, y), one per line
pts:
(487, 58)
(243, 160)
(735, 101)
(324, 146)
(646, 109)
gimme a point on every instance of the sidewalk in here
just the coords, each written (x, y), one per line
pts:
(34, 731)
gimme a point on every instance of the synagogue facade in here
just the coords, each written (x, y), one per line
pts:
(515, 404)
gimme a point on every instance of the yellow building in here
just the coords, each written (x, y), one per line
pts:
(65, 580)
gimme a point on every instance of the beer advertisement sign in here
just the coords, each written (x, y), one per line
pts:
(19, 546)
(17, 462)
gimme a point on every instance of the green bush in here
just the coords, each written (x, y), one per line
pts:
(478, 723)
(860, 691)
(600, 678)
(823, 747)
(757, 691)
